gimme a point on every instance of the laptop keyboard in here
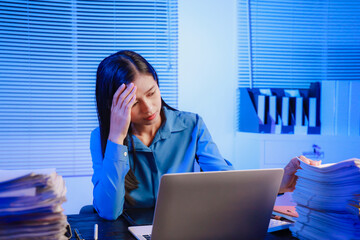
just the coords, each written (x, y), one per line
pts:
(147, 237)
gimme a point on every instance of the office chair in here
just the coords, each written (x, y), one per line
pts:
(87, 209)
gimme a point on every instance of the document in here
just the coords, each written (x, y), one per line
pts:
(288, 212)
(272, 109)
(299, 111)
(285, 108)
(312, 112)
(261, 109)
(30, 204)
(300, 128)
(328, 200)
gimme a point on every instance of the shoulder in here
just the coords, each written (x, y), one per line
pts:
(95, 137)
(178, 118)
(95, 133)
(187, 116)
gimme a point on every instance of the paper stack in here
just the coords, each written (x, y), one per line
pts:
(30, 205)
(328, 198)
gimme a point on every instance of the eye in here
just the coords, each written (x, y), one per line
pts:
(152, 93)
(135, 103)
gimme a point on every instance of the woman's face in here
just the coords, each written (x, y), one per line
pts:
(147, 107)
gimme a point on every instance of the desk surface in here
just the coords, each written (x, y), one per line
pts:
(118, 229)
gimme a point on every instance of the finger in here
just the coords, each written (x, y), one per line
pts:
(128, 98)
(294, 180)
(130, 104)
(304, 159)
(129, 88)
(315, 163)
(296, 162)
(292, 166)
(292, 183)
(126, 110)
(117, 94)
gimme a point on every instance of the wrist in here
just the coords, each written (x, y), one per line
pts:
(117, 140)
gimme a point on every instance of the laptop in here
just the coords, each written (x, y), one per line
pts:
(213, 205)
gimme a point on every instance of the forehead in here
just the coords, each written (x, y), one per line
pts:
(143, 83)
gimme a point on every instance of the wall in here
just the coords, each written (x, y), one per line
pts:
(79, 193)
(207, 79)
(208, 66)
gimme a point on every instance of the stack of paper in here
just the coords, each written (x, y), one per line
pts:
(328, 198)
(30, 205)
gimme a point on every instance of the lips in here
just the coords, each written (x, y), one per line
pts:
(151, 117)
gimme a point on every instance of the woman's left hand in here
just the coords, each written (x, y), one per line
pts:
(289, 179)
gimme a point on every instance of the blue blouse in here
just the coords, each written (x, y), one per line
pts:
(182, 138)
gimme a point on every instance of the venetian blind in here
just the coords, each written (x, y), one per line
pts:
(289, 44)
(49, 52)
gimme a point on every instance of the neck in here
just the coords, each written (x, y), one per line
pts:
(148, 131)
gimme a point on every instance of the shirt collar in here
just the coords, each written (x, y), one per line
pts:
(171, 124)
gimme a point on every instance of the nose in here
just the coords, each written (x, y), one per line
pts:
(146, 107)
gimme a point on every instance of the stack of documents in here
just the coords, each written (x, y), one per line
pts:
(328, 198)
(30, 205)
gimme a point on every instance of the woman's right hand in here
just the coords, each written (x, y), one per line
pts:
(123, 100)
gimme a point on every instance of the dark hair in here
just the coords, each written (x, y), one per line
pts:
(114, 70)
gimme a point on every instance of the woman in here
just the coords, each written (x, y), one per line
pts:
(140, 138)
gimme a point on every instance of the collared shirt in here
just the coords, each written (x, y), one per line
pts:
(182, 140)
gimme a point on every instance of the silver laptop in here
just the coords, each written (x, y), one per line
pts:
(213, 205)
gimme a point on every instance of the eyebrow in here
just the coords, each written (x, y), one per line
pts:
(150, 89)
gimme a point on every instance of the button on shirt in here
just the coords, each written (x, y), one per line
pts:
(181, 140)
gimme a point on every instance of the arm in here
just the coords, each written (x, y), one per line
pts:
(110, 171)
(109, 177)
(209, 157)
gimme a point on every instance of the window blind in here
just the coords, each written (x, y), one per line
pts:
(343, 40)
(289, 44)
(49, 53)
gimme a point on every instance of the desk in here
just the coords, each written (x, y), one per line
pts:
(113, 230)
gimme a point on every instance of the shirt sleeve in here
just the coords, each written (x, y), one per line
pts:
(109, 176)
(208, 154)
